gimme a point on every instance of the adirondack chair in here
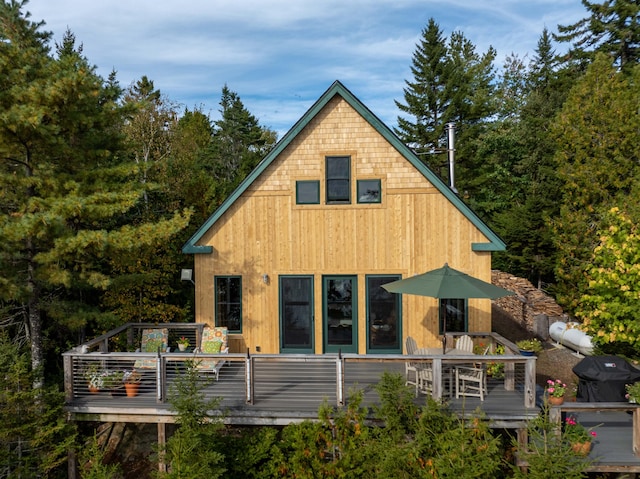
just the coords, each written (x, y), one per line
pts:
(411, 370)
(465, 343)
(471, 380)
(214, 341)
(153, 341)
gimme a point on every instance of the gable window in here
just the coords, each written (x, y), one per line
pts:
(369, 191)
(338, 177)
(307, 192)
(228, 302)
(453, 316)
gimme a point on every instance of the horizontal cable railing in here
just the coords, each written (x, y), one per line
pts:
(99, 369)
(276, 381)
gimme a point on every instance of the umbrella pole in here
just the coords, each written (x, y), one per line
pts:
(444, 334)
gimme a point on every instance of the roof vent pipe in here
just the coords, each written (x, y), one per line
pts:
(451, 151)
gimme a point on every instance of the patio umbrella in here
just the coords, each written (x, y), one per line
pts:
(446, 283)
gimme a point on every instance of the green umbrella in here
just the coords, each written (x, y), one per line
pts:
(446, 283)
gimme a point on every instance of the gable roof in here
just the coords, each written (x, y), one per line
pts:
(494, 244)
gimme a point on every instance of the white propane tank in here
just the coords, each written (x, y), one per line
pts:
(570, 336)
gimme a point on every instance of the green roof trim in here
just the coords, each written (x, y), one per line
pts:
(337, 88)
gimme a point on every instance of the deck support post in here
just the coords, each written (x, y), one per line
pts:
(340, 379)
(162, 444)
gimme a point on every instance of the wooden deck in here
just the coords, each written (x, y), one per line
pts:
(277, 390)
(282, 389)
(617, 444)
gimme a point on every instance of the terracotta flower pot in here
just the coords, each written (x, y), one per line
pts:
(581, 448)
(132, 389)
(556, 401)
(93, 389)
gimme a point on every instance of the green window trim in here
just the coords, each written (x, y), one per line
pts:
(228, 302)
(383, 315)
(338, 179)
(369, 191)
(308, 192)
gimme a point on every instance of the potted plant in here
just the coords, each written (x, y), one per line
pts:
(113, 381)
(131, 381)
(529, 347)
(183, 343)
(95, 377)
(496, 369)
(633, 392)
(578, 436)
(555, 391)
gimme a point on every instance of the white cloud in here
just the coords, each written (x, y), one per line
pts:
(280, 55)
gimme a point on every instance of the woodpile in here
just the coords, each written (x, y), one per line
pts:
(529, 304)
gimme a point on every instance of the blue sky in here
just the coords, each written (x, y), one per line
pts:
(281, 55)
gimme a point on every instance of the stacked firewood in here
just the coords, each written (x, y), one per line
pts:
(528, 303)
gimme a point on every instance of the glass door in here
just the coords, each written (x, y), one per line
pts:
(296, 314)
(340, 314)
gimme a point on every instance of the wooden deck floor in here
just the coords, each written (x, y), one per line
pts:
(282, 396)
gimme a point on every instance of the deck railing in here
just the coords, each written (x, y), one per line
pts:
(268, 378)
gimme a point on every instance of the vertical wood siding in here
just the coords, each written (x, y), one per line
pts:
(412, 230)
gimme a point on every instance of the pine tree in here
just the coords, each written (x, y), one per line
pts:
(451, 83)
(613, 28)
(237, 146)
(65, 185)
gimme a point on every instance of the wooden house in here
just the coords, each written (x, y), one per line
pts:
(293, 261)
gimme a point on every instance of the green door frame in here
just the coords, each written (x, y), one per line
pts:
(282, 313)
(340, 331)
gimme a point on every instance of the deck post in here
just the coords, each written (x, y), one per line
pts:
(530, 383)
(67, 361)
(437, 378)
(249, 378)
(636, 431)
(340, 379)
(160, 377)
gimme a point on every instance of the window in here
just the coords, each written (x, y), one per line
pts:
(228, 302)
(383, 315)
(453, 315)
(308, 192)
(338, 176)
(369, 191)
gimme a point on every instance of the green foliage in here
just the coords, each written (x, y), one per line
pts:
(548, 453)
(332, 447)
(609, 306)
(192, 451)
(612, 28)
(597, 163)
(34, 433)
(451, 83)
(92, 463)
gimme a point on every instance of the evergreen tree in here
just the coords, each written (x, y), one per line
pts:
(613, 28)
(597, 159)
(451, 83)
(237, 146)
(64, 184)
(534, 187)
(34, 433)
